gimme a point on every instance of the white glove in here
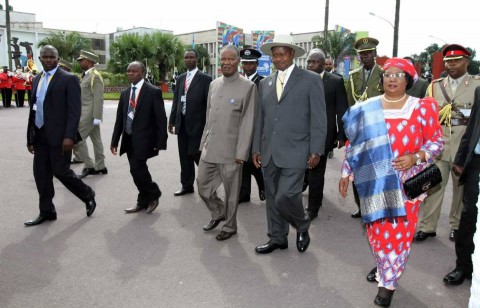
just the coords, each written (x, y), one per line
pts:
(97, 122)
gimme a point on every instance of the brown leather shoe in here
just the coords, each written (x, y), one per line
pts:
(224, 235)
(135, 209)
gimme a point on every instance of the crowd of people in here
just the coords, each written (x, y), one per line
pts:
(281, 128)
(16, 85)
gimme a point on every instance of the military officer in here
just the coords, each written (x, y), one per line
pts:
(455, 96)
(92, 113)
(65, 65)
(363, 83)
(249, 65)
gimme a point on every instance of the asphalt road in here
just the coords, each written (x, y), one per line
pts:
(165, 259)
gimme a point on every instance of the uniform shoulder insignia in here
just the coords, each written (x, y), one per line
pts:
(355, 71)
(438, 80)
(476, 77)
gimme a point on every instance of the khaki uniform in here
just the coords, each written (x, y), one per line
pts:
(92, 108)
(361, 86)
(463, 99)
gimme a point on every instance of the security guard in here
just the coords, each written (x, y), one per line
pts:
(92, 114)
(364, 83)
(455, 96)
(249, 65)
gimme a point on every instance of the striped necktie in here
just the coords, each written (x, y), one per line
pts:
(187, 85)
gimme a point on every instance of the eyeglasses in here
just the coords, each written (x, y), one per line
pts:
(393, 75)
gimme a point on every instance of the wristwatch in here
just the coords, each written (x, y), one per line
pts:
(419, 159)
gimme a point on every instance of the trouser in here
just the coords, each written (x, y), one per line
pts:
(464, 245)
(49, 161)
(188, 159)
(248, 170)
(283, 191)
(7, 97)
(148, 190)
(81, 149)
(316, 182)
(210, 176)
(20, 98)
(432, 205)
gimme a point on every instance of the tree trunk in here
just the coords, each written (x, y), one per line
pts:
(395, 29)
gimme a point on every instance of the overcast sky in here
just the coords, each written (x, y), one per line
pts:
(422, 22)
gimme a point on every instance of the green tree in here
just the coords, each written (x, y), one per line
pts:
(203, 57)
(336, 44)
(68, 45)
(128, 48)
(167, 52)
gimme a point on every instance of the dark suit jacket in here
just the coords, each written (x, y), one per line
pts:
(61, 108)
(149, 127)
(470, 138)
(336, 104)
(196, 105)
(287, 130)
(256, 80)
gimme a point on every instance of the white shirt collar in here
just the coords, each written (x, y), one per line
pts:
(139, 85)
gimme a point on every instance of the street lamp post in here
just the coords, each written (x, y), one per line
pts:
(437, 38)
(395, 33)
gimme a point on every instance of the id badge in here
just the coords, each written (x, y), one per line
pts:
(34, 108)
(466, 112)
(131, 114)
(183, 99)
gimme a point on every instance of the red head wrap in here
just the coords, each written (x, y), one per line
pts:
(402, 64)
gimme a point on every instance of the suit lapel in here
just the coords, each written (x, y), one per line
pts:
(292, 80)
(194, 80)
(53, 80)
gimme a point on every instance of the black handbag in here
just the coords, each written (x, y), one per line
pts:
(423, 181)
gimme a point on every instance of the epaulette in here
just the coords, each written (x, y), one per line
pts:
(438, 80)
(476, 77)
(355, 70)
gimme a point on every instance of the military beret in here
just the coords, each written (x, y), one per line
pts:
(366, 43)
(455, 51)
(64, 63)
(250, 55)
(88, 55)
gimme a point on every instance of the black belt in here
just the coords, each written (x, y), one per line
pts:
(459, 121)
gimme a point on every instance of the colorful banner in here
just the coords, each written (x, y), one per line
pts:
(228, 35)
(259, 38)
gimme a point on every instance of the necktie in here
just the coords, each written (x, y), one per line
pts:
(131, 111)
(280, 80)
(187, 85)
(454, 85)
(41, 92)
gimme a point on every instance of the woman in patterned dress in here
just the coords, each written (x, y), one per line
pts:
(392, 137)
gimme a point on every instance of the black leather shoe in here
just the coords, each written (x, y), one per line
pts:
(356, 214)
(269, 247)
(261, 194)
(102, 171)
(453, 235)
(303, 240)
(456, 277)
(76, 161)
(40, 219)
(224, 235)
(86, 172)
(382, 302)
(91, 205)
(152, 205)
(311, 215)
(243, 199)
(212, 224)
(135, 209)
(371, 276)
(420, 236)
(183, 191)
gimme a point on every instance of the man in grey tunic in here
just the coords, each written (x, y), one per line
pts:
(226, 141)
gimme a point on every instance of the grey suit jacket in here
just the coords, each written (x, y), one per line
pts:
(287, 130)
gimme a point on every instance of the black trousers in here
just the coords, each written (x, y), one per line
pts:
(464, 246)
(188, 158)
(48, 162)
(248, 170)
(316, 181)
(20, 98)
(147, 189)
(7, 97)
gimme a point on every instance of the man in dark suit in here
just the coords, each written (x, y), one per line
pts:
(249, 65)
(467, 166)
(142, 124)
(290, 133)
(52, 131)
(189, 109)
(336, 105)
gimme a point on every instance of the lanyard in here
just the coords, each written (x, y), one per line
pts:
(134, 103)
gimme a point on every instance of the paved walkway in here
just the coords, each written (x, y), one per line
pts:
(166, 260)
